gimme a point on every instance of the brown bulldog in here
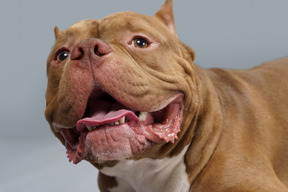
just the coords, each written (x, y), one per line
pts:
(124, 94)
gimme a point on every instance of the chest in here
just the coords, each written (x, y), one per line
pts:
(168, 174)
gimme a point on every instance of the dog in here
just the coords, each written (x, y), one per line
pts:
(125, 94)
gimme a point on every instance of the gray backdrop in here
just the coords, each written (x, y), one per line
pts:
(224, 33)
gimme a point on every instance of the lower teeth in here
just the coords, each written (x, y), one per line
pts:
(122, 120)
(89, 128)
(142, 117)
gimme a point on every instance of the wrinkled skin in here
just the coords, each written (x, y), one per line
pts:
(234, 122)
(126, 73)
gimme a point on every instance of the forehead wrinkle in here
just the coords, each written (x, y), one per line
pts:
(127, 21)
(79, 31)
(85, 29)
(122, 20)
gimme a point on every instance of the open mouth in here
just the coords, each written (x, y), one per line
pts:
(111, 131)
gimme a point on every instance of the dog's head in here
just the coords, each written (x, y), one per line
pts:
(120, 87)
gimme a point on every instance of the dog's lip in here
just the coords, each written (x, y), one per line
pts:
(57, 127)
(176, 99)
(154, 118)
(148, 131)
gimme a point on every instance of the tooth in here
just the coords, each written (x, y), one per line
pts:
(122, 120)
(142, 116)
(117, 123)
(89, 128)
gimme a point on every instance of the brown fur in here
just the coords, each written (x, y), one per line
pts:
(235, 122)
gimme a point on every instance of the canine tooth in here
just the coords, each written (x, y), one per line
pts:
(122, 120)
(142, 116)
(89, 128)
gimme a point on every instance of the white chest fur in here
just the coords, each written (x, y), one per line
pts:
(144, 175)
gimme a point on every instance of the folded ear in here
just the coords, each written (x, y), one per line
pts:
(56, 32)
(165, 14)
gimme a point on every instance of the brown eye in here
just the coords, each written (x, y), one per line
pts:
(140, 43)
(62, 56)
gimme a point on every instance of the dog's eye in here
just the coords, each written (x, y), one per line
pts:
(62, 56)
(140, 43)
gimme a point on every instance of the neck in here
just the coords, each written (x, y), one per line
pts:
(168, 174)
(206, 126)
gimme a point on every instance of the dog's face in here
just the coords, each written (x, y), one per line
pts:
(119, 87)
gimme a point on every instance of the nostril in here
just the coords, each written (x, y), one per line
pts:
(77, 53)
(81, 54)
(97, 52)
(89, 48)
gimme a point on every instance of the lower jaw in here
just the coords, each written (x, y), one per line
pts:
(107, 144)
(123, 141)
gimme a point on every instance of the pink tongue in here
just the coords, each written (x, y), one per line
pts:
(105, 112)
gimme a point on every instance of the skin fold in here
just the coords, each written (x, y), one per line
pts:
(202, 129)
